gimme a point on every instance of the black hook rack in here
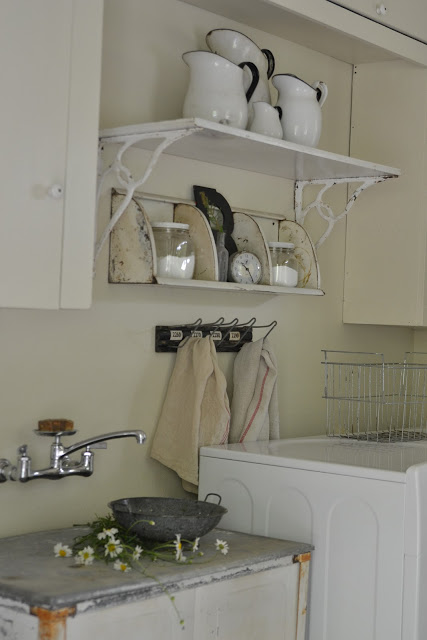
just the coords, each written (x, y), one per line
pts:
(227, 336)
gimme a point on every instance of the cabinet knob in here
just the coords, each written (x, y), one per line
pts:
(55, 191)
(381, 9)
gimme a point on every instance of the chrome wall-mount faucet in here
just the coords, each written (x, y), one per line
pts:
(61, 465)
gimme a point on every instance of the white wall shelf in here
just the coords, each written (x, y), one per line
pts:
(209, 142)
(231, 286)
(214, 143)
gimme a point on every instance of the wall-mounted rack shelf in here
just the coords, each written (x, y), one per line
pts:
(240, 149)
(133, 259)
(231, 286)
(209, 142)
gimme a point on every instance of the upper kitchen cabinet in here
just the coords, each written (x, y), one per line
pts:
(50, 80)
(409, 18)
(385, 268)
(325, 26)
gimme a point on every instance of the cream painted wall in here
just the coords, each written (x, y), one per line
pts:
(98, 367)
(420, 340)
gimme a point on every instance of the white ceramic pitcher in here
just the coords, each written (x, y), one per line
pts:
(301, 108)
(237, 47)
(266, 120)
(216, 91)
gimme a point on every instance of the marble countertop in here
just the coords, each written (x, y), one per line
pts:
(31, 575)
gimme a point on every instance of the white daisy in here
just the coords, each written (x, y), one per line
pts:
(137, 552)
(119, 565)
(85, 556)
(107, 533)
(178, 549)
(196, 545)
(62, 550)
(222, 545)
(113, 548)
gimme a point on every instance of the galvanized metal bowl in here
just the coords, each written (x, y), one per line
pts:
(191, 518)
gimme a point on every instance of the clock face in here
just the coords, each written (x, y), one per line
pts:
(244, 268)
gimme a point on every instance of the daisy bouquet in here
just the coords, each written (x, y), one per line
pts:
(111, 543)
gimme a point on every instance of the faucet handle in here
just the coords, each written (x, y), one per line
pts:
(22, 450)
(5, 468)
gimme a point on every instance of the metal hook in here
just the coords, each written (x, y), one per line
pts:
(193, 326)
(227, 324)
(231, 325)
(249, 325)
(218, 323)
(272, 325)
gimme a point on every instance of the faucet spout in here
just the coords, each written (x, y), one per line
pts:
(139, 435)
(60, 463)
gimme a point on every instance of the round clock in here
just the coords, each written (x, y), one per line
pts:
(245, 268)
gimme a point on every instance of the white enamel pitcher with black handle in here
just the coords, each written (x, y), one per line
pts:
(216, 89)
(237, 48)
(301, 105)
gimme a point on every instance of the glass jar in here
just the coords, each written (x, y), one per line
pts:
(174, 249)
(284, 264)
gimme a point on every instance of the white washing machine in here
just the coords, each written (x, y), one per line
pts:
(362, 505)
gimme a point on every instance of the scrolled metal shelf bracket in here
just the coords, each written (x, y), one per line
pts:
(124, 176)
(323, 209)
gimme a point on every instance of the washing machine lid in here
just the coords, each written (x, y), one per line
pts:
(389, 461)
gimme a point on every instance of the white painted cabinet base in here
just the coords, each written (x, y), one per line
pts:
(252, 607)
(270, 604)
(257, 590)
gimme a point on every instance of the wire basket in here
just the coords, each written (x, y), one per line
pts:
(370, 399)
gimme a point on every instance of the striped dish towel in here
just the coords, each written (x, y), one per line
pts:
(254, 407)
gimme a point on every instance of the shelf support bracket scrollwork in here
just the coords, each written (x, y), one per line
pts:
(323, 209)
(124, 177)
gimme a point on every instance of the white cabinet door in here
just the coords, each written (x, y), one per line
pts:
(262, 605)
(50, 76)
(408, 17)
(151, 619)
(259, 605)
(385, 265)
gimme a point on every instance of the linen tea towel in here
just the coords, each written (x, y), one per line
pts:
(195, 411)
(254, 406)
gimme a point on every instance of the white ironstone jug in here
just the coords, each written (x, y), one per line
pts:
(237, 47)
(216, 91)
(301, 108)
(266, 120)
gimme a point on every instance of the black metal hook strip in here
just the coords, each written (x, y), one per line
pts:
(227, 336)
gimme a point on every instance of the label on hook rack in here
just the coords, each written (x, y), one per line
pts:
(175, 334)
